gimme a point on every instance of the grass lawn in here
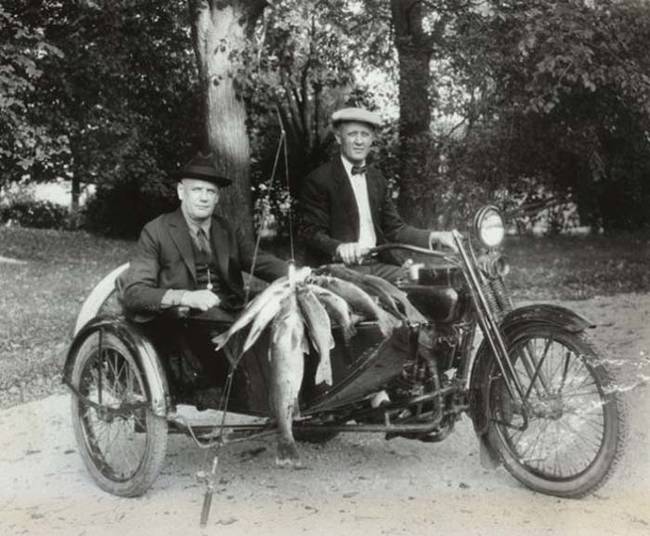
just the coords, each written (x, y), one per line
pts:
(578, 267)
(40, 298)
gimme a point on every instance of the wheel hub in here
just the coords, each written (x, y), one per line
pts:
(551, 408)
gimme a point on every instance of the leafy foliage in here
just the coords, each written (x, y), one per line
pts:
(555, 94)
(124, 93)
(532, 103)
(23, 141)
(37, 214)
(299, 68)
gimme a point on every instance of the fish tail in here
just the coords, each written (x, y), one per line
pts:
(221, 339)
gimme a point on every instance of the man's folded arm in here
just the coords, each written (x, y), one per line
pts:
(140, 290)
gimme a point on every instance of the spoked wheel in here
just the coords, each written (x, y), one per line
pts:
(568, 434)
(121, 441)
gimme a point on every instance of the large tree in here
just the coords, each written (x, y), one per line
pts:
(220, 34)
(283, 67)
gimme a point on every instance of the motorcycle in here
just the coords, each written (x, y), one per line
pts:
(541, 398)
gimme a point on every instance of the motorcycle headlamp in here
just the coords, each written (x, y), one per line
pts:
(489, 226)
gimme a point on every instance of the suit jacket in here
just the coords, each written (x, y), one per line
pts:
(164, 259)
(329, 215)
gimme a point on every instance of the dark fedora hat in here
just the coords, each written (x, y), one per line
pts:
(201, 167)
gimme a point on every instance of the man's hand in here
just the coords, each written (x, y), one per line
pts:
(438, 239)
(200, 299)
(351, 252)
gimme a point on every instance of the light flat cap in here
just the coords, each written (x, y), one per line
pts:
(359, 115)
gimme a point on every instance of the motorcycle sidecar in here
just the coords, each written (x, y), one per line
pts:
(128, 380)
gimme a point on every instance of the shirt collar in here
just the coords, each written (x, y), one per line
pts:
(194, 227)
(348, 165)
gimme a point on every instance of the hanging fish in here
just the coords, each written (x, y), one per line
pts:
(275, 292)
(359, 301)
(319, 329)
(365, 282)
(398, 296)
(286, 372)
(337, 308)
(263, 318)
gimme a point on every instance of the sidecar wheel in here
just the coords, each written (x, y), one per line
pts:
(123, 451)
(576, 425)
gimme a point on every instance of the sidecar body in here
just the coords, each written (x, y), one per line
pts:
(129, 379)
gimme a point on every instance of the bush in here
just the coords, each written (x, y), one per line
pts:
(122, 208)
(38, 214)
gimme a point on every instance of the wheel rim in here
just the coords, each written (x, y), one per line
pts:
(116, 441)
(565, 409)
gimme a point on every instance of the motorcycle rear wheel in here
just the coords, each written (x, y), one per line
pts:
(576, 419)
(123, 451)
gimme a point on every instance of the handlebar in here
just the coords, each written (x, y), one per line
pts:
(415, 249)
(376, 250)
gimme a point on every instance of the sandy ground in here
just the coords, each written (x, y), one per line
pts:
(356, 484)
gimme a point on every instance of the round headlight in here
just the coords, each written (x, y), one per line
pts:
(490, 227)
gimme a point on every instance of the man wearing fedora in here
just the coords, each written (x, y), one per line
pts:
(346, 207)
(191, 257)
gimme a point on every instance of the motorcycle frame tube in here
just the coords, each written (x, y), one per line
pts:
(424, 427)
(143, 351)
(487, 323)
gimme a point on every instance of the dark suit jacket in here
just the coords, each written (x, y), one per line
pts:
(329, 215)
(164, 259)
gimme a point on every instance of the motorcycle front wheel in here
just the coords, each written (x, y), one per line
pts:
(121, 441)
(568, 433)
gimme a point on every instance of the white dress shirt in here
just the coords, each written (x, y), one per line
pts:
(367, 236)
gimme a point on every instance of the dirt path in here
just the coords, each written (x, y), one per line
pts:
(356, 484)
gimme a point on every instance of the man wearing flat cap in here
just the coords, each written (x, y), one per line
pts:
(191, 257)
(346, 207)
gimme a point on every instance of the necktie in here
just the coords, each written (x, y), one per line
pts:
(202, 241)
(358, 170)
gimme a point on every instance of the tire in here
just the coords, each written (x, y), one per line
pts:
(123, 453)
(576, 426)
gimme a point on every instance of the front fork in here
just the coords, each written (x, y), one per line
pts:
(491, 331)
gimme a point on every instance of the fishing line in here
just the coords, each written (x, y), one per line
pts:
(266, 210)
(286, 179)
(225, 397)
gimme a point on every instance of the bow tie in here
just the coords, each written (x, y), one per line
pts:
(358, 170)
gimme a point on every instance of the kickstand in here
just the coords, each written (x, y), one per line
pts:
(209, 480)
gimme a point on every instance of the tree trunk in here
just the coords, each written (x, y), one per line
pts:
(219, 32)
(414, 49)
(76, 178)
(74, 196)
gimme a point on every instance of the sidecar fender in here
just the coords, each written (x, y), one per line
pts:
(97, 297)
(142, 350)
(537, 314)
